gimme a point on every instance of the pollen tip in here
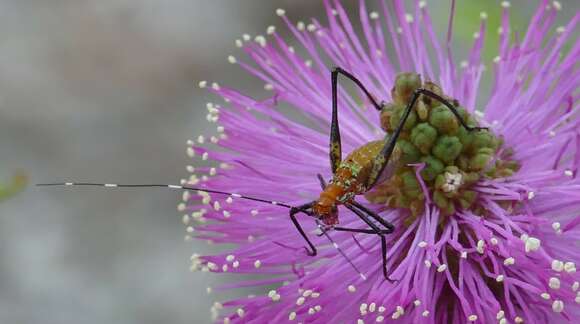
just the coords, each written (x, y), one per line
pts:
(506, 4)
(232, 59)
(509, 261)
(270, 30)
(558, 306)
(483, 15)
(570, 267)
(554, 283)
(374, 15)
(500, 314)
(202, 84)
(300, 25)
(557, 265)
(545, 296)
(280, 12)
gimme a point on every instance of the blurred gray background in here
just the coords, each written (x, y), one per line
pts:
(107, 91)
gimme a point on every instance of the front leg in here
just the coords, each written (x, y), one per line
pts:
(335, 145)
(375, 230)
(303, 209)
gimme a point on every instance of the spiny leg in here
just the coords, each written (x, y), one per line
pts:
(335, 145)
(293, 212)
(382, 159)
(375, 230)
(390, 227)
(339, 70)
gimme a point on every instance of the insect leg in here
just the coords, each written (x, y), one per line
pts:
(382, 159)
(429, 93)
(293, 212)
(375, 230)
(335, 145)
(338, 70)
(390, 228)
(321, 181)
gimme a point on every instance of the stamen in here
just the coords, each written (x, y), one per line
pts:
(557, 265)
(558, 306)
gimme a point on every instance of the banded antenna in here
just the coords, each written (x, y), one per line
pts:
(189, 188)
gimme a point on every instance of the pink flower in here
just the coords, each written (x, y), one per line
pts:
(508, 257)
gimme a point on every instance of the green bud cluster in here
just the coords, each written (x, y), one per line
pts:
(454, 158)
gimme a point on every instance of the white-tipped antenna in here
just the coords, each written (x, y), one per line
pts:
(170, 186)
(180, 187)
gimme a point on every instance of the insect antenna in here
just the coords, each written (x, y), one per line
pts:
(180, 187)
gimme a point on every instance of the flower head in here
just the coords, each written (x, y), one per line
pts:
(486, 223)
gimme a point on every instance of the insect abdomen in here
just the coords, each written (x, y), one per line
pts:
(354, 170)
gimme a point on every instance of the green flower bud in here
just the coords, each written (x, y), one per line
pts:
(407, 152)
(447, 148)
(470, 178)
(433, 167)
(479, 161)
(396, 118)
(405, 84)
(424, 136)
(465, 137)
(422, 111)
(411, 187)
(443, 203)
(429, 101)
(386, 112)
(444, 120)
(484, 139)
(467, 199)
